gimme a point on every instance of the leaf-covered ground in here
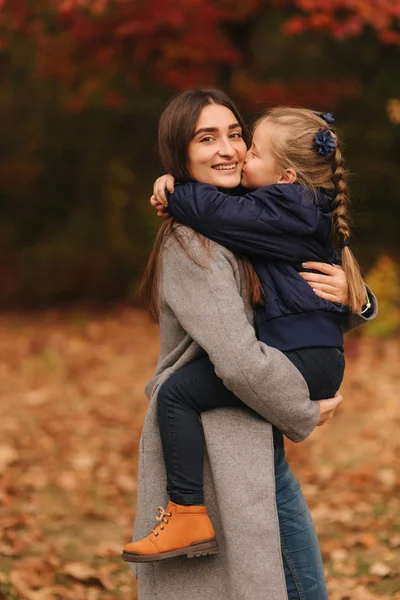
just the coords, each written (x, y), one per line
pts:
(72, 406)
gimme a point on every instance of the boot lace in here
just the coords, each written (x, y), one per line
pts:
(161, 517)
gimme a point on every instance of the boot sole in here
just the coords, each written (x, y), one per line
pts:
(195, 550)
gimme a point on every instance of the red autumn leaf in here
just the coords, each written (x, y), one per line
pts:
(177, 42)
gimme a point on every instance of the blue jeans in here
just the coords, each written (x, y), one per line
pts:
(301, 556)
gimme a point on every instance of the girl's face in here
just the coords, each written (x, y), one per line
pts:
(260, 167)
(217, 150)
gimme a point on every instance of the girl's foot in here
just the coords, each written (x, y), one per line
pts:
(182, 530)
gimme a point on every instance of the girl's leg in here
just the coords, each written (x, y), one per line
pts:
(196, 388)
(180, 400)
(301, 555)
(184, 526)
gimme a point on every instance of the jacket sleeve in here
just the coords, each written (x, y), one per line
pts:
(258, 224)
(354, 320)
(208, 305)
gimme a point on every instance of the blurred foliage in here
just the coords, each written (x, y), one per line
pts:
(88, 43)
(384, 279)
(84, 82)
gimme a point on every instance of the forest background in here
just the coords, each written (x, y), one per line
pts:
(83, 83)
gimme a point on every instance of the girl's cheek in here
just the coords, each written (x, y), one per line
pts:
(249, 165)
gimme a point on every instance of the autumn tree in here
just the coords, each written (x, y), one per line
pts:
(84, 81)
(89, 44)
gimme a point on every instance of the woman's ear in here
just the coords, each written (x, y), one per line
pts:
(288, 176)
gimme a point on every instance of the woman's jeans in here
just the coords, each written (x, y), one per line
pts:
(196, 388)
(301, 556)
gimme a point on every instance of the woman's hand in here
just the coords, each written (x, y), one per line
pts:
(328, 407)
(332, 285)
(159, 199)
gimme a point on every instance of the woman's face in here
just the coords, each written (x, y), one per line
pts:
(217, 150)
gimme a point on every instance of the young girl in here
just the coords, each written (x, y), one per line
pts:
(296, 167)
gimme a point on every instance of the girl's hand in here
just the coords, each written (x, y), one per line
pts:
(165, 181)
(160, 207)
(328, 407)
(332, 285)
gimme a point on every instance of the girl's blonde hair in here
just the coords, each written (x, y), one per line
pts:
(295, 149)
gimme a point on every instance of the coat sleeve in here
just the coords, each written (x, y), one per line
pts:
(208, 305)
(354, 320)
(259, 224)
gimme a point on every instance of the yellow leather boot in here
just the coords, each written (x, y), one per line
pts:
(181, 530)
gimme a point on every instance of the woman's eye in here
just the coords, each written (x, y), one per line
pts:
(236, 135)
(208, 138)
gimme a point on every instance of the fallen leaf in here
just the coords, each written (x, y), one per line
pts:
(339, 555)
(368, 540)
(387, 476)
(380, 569)
(394, 542)
(38, 397)
(67, 480)
(80, 571)
(83, 573)
(107, 549)
(26, 592)
(126, 483)
(8, 455)
(83, 461)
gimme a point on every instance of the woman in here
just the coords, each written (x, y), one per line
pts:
(206, 308)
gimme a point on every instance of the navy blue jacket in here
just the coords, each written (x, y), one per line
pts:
(278, 227)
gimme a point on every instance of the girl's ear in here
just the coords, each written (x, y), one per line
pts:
(288, 176)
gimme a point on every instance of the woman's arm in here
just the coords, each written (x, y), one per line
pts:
(331, 285)
(368, 313)
(207, 303)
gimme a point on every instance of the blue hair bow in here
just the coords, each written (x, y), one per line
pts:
(324, 142)
(328, 117)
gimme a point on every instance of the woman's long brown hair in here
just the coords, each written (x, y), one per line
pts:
(175, 131)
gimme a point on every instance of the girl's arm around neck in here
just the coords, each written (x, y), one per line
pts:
(269, 222)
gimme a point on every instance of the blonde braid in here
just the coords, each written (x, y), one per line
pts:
(341, 223)
(341, 212)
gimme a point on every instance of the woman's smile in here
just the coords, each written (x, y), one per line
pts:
(225, 166)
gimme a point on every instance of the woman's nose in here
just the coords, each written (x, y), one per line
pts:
(226, 148)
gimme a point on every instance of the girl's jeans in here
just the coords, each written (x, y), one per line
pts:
(196, 388)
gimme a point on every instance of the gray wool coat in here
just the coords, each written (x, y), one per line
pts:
(205, 308)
